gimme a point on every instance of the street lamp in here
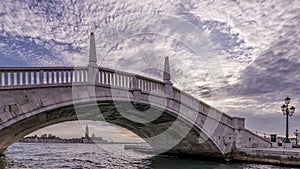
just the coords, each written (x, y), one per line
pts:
(296, 134)
(287, 112)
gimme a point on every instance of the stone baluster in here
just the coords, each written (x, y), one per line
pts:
(84, 76)
(109, 78)
(79, 75)
(52, 77)
(122, 84)
(18, 78)
(34, 77)
(112, 79)
(75, 72)
(0, 78)
(67, 76)
(57, 76)
(126, 81)
(6, 78)
(68, 73)
(120, 80)
(63, 76)
(23, 78)
(29, 78)
(82, 73)
(116, 79)
(144, 85)
(12, 78)
(105, 74)
(71, 80)
(47, 77)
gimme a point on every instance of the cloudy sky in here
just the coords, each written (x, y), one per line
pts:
(247, 50)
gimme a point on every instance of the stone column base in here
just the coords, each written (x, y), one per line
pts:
(287, 145)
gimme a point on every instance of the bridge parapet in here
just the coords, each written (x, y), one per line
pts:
(38, 76)
(30, 77)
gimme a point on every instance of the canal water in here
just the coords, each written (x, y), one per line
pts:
(51, 155)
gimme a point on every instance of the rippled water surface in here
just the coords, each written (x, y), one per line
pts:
(38, 155)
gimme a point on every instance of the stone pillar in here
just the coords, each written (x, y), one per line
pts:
(238, 124)
(92, 66)
(274, 140)
(167, 79)
(135, 89)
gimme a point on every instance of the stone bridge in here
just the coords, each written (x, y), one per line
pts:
(169, 119)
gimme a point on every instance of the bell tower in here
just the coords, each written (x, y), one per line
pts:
(87, 132)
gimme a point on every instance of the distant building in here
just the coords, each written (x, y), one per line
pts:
(49, 138)
(87, 135)
(87, 138)
(98, 140)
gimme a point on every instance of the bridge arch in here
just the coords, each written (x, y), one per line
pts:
(22, 125)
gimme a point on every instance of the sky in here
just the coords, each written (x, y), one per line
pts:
(246, 52)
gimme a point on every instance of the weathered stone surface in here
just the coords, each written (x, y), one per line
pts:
(28, 110)
(267, 155)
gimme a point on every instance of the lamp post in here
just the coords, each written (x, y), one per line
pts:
(296, 134)
(287, 112)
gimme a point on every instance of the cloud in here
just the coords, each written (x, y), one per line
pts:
(256, 44)
(273, 75)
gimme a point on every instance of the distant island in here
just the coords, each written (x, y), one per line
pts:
(50, 138)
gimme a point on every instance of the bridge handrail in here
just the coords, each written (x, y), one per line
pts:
(28, 76)
(209, 107)
(25, 76)
(38, 68)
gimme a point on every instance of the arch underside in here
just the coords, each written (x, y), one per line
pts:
(110, 112)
